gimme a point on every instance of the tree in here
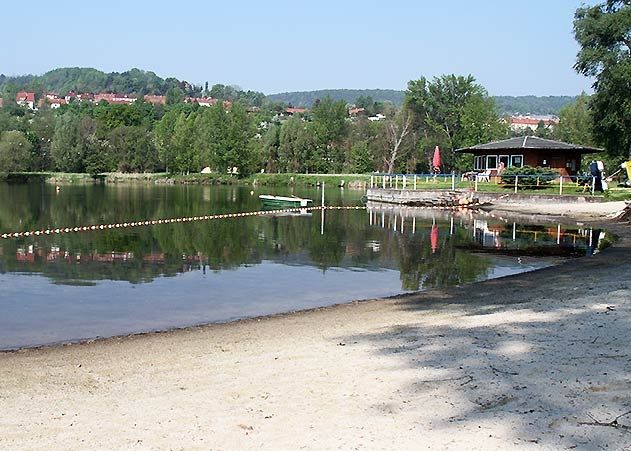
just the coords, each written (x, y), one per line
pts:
(448, 110)
(293, 150)
(330, 128)
(362, 158)
(15, 152)
(603, 32)
(575, 123)
(163, 136)
(398, 130)
(184, 160)
(174, 96)
(270, 149)
(541, 130)
(66, 153)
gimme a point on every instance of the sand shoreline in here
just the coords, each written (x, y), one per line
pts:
(522, 361)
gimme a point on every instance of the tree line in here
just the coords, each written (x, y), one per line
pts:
(451, 111)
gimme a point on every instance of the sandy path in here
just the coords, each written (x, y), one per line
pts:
(518, 362)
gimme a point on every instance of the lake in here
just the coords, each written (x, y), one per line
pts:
(73, 286)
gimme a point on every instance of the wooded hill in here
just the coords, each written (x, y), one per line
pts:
(505, 104)
(136, 81)
(84, 79)
(308, 98)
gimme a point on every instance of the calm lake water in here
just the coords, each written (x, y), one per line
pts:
(59, 288)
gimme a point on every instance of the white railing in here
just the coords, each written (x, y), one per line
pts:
(574, 184)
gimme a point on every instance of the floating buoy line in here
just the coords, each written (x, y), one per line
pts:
(124, 225)
(151, 222)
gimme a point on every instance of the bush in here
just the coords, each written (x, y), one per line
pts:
(529, 177)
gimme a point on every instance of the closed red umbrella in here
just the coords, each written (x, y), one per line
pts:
(436, 163)
(433, 238)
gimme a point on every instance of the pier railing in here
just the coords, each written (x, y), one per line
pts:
(541, 184)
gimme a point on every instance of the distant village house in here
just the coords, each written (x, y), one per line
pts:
(26, 99)
(520, 124)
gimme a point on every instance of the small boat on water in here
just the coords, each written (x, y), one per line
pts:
(270, 201)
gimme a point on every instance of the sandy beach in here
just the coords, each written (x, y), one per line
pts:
(541, 360)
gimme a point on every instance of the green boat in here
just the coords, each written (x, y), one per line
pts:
(270, 201)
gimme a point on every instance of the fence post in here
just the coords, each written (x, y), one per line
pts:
(404, 181)
(453, 180)
(516, 183)
(561, 186)
(475, 185)
(414, 181)
(371, 181)
(383, 181)
(396, 182)
(593, 184)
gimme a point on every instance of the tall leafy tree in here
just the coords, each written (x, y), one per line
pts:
(447, 110)
(66, 152)
(329, 120)
(603, 32)
(575, 123)
(15, 152)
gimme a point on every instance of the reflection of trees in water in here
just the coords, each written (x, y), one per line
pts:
(421, 267)
(169, 249)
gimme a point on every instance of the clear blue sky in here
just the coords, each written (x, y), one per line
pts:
(512, 48)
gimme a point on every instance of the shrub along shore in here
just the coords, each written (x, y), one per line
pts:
(262, 179)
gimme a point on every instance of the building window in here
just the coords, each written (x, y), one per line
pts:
(479, 163)
(491, 162)
(505, 159)
(517, 161)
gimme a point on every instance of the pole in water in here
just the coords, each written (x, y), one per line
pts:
(322, 211)
(322, 203)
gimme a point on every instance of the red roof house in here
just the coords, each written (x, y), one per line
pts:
(24, 98)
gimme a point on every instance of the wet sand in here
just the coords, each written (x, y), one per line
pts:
(540, 360)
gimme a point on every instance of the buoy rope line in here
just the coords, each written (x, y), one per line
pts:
(123, 225)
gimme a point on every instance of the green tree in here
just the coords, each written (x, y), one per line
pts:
(295, 146)
(163, 136)
(185, 159)
(174, 96)
(575, 123)
(362, 158)
(603, 32)
(15, 152)
(66, 152)
(329, 120)
(447, 110)
(132, 149)
(270, 149)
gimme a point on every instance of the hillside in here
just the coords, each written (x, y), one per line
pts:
(532, 104)
(307, 98)
(136, 81)
(505, 104)
(84, 79)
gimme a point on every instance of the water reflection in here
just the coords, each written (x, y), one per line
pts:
(114, 281)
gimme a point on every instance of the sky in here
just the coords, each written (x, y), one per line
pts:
(511, 48)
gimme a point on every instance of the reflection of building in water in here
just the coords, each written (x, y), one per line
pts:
(484, 235)
(33, 253)
(483, 231)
